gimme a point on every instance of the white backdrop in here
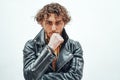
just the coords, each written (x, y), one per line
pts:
(95, 24)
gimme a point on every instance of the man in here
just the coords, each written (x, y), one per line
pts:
(51, 55)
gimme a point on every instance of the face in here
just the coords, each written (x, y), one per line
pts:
(53, 24)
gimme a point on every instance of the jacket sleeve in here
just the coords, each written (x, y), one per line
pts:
(33, 64)
(76, 70)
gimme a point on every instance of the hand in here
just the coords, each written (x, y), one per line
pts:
(55, 41)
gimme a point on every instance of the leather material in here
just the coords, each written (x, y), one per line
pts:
(38, 58)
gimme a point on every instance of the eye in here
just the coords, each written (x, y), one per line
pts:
(48, 22)
(58, 23)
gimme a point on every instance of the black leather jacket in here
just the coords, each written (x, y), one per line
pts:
(38, 58)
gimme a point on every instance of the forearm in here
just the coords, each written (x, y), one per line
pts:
(61, 76)
(35, 67)
(43, 60)
(74, 73)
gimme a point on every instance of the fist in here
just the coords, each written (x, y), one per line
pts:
(55, 41)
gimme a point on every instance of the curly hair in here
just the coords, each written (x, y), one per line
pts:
(54, 8)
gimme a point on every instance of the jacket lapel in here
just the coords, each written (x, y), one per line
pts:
(63, 58)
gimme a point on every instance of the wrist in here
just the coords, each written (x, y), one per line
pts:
(50, 47)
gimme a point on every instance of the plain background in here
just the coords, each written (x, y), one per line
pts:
(95, 24)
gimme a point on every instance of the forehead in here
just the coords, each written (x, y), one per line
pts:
(53, 17)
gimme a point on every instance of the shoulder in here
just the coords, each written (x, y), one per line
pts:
(29, 44)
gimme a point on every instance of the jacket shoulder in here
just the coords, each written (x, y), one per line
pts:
(30, 42)
(29, 45)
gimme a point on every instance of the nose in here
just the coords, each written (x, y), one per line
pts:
(53, 27)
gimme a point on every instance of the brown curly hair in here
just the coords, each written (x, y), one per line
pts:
(54, 8)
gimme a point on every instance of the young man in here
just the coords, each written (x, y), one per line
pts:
(51, 55)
